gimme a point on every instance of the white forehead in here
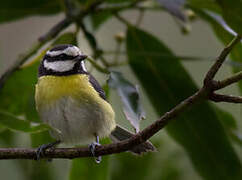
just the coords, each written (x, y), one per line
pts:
(62, 66)
(59, 66)
(70, 51)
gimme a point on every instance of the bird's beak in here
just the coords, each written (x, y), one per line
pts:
(81, 57)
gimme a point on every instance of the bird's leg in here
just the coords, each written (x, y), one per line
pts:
(41, 149)
(92, 147)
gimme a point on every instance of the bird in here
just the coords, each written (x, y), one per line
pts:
(71, 101)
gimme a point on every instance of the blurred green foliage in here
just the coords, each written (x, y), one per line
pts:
(205, 132)
(167, 83)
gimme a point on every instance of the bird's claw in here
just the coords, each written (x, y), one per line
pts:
(92, 148)
(40, 152)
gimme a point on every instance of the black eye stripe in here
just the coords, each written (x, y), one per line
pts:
(60, 57)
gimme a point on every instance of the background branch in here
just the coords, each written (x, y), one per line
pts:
(228, 81)
(225, 98)
(222, 57)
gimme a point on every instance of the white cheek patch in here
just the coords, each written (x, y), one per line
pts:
(59, 66)
(70, 51)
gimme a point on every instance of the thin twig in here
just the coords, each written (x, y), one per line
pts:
(222, 57)
(123, 20)
(228, 81)
(71, 9)
(225, 98)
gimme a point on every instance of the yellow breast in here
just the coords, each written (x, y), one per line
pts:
(52, 88)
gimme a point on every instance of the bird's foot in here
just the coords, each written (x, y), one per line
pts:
(92, 148)
(41, 149)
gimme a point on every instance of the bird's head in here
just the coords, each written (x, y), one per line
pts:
(64, 59)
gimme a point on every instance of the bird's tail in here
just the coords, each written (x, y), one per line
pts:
(120, 134)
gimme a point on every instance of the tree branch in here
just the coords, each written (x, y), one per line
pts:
(221, 58)
(225, 98)
(228, 81)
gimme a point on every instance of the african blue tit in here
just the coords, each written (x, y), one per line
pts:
(70, 99)
(72, 102)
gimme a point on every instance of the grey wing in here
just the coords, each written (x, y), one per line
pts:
(120, 134)
(97, 86)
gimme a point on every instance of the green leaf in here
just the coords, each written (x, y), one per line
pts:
(174, 7)
(230, 125)
(130, 97)
(153, 166)
(232, 13)
(38, 139)
(87, 168)
(14, 123)
(14, 9)
(237, 137)
(41, 169)
(99, 18)
(2, 128)
(205, 4)
(138, 167)
(226, 118)
(198, 130)
(66, 38)
(15, 94)
(6, 137)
